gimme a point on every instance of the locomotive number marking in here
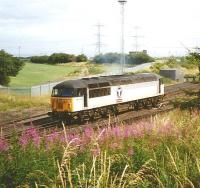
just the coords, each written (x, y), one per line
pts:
(119, 94)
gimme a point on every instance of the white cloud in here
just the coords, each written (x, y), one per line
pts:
(68, 25)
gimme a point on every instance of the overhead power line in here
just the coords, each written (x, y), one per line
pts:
(136, 36)
(99, 43)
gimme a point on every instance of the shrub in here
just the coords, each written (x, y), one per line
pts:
(139, 58)
(39, 59)
(81, 58)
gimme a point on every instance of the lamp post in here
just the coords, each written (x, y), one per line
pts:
(122, 58)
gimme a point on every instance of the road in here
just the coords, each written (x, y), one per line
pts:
(139, 67)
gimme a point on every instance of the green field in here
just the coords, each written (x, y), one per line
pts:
(35, 74)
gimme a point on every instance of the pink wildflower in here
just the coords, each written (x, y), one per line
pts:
(115, 145)
(3, 145)
(96, 151)
(137, 133)
(130, 151)
(116, 131)
(166, 129)
(88, 132)
(52, 137)
(127, 132)
(30, 135)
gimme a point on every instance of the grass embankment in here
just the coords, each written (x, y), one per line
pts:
(8, 102)
(35, 74)
(161, 152)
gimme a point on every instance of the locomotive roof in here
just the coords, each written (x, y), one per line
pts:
(103, 81)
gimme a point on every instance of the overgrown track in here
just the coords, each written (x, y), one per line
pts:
(44, 123)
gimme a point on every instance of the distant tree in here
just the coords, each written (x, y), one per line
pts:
(132, 58)
(9, 66)
(71, 58)
(39, 59)
(61, 58)
(194, 58)
(81, 58)
(139, 58)
(107, 58)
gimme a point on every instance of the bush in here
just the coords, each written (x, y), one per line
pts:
(139, 58)
(81, 58)
(156, 67)
(4, 79)
(61, 58)
(107, 58)
(40, 59)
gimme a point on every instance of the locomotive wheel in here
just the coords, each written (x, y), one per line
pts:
(91, 115)
(103, 113)
(81, 118)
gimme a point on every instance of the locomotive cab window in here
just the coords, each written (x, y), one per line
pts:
(81, 92)
(63, 92)
(99, 92)
(55, 92)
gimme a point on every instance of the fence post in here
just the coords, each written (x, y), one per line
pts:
(30, 92)
(49, 87)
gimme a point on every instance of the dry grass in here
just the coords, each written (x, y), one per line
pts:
(8, 102)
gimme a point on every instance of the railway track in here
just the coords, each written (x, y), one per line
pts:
(45, 122)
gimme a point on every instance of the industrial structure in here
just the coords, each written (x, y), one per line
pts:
(173, 74)
(122, 59)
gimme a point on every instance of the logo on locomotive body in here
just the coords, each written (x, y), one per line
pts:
(119, 94)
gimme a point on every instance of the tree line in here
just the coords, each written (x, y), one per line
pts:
(10, 65)
(57, 58)
(132, 58)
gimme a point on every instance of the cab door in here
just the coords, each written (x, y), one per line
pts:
(85, 97)
(83, 92)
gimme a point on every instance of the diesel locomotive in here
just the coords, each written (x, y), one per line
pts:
(99, 96)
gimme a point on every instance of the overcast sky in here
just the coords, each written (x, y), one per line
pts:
(46, 26)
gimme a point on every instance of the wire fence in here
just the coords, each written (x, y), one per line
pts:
(40, 90)
(33, 91)
(46, 89)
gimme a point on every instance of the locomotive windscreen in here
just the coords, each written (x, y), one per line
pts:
(63, 92)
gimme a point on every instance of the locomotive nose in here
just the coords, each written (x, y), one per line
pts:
(61, 104)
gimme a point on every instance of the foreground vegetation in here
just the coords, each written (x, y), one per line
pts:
(161, 152)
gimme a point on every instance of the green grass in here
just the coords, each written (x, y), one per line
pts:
(34, 74)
